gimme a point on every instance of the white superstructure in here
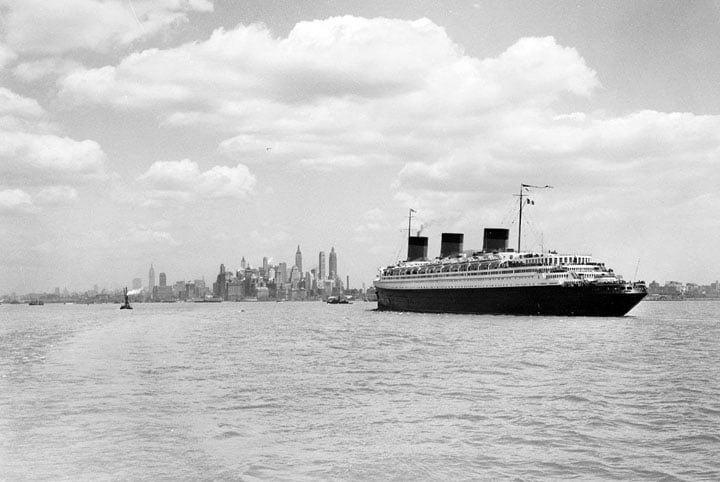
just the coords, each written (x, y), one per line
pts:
(504, 269)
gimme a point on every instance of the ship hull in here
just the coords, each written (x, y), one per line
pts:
(558, 300)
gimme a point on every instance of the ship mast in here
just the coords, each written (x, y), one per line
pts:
(524, 187)
(410, 228)
(410, 220)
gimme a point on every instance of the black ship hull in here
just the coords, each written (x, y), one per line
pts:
(575, 300)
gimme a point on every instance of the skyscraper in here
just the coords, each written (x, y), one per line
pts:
(298, 260)
(281, 273)
(333, 263)
(295, 277)
(163, 280)
(151, 279)
(321, 268)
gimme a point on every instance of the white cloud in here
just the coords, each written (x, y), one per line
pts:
(182, 180)
(344, 56)
(44, 68)
(345, 91)
(140, 235)
(15, 200)
(538, 68)
(55, 27)
(32, 153)
(57, 195)
(350, 91)
(47, 157)
(12, 104)
(223, 181)
(172, 175)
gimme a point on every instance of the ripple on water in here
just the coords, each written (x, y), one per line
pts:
(297, 391)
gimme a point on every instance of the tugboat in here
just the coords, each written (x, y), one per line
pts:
(126, 305)
(501, 280)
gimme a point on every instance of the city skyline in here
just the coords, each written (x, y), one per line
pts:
(264, 265)
(196, 133)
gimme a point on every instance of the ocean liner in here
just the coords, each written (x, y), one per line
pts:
(501, 280)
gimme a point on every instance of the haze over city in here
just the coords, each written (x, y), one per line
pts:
(190, 134)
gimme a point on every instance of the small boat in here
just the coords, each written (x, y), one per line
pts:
(36, 302)
(208, 299)
(126, 305)
(338, 300)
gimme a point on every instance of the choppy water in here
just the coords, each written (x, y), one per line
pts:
(246, 391)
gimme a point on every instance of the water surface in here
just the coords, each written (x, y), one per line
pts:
(293, 391)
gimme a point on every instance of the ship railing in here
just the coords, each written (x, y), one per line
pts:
(526, 271)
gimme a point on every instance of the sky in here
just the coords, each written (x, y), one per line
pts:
(190, 133)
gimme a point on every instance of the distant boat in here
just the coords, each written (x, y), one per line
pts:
(338, 300)
(208, 299)
(36, 302)
(126, 305)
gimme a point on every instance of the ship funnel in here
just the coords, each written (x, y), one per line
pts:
(417, 248)
(451, 244)
(495, 239)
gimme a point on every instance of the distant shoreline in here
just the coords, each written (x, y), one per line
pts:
(677, 298)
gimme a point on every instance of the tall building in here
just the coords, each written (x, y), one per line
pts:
(163, 280)
(333, 264)
(321, 268)
(243, 263)
(151, 280)
(200, 287)
(281, 273)
(298, 259)
(220, 285)
(295, 277)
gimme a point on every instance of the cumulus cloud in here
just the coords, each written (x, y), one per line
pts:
(20, 201)
(49, 157)
(184, 180)
(32, 153)
(44, 27)
(537, 69)
(342, 91)
(244, 71)
(350, 92)
(40, 69)
(344, 56)
(15, 200)
(12, 104)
